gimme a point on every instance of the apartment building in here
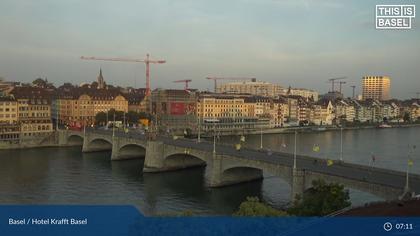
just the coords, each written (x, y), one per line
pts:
(8, 110)
(78, 106)
(376, 87)
(34, 111)
(253, 87)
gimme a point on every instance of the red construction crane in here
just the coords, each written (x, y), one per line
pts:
(147, 61)
(186, 81)
(332, 81)
(215, 79)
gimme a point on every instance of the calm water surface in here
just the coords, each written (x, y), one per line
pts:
(68, 176)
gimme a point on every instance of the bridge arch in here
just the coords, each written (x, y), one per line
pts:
(131, 150)
(75, 139)
(99, 144)
(183, 160)
(240, 174)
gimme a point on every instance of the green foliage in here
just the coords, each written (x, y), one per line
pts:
(254, 207)
(406, 117)
(40, 82)
(100, 118)
(322, 199)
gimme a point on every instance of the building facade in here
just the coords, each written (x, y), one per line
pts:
(34, 111)
(254, 87)
(8, 110)
(376, 87)
(174, 110)
(305, 93)
(79, 106)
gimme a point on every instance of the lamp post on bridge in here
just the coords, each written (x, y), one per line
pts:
(199, 129)
(409, 163)
(214, 138)
(113, 127)
(84, 127)
(295, 152)
(261, 138)
(341, 142)
(106, 125)
(56, 120)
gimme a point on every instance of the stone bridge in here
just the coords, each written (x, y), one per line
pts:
(228, 166)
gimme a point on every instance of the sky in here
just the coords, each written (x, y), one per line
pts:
(298, 43)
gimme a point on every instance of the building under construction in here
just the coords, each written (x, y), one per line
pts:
(174, 110)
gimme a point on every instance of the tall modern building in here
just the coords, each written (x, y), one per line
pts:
(376, 87)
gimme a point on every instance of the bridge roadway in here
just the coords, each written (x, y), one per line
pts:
(376, 175)
(340, 171)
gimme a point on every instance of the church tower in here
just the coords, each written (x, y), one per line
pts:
(101, 82)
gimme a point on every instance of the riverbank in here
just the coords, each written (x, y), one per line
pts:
(48, 141)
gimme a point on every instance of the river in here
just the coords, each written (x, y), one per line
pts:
(68, 176)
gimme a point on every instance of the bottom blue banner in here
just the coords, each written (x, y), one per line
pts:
(127, 220)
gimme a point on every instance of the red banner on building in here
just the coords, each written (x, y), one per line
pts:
(177, 108)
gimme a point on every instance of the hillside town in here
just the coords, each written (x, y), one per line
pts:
(32, 110)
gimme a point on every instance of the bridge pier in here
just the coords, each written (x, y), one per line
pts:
(62, 137)
(298, 183)
(154, 159)
(115, 149)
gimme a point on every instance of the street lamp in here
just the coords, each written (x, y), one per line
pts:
(214, 137)
(409, 163)
(261, 138)
(106, 125)
(84, 127)
(341, 143)
(295, 151)
(56, 120)
(199, 128)
(113, 126)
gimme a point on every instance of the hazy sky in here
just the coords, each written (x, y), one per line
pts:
(300, 43)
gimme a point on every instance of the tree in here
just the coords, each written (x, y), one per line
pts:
(254, 207)
(94, 84)
(406, 117)
(322, 199)
(40, 83)
(133, 117)
(100, 118)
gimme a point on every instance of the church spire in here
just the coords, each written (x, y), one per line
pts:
(101, 82)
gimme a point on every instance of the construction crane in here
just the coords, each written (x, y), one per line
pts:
(147, 61)
(186, 81)
(341, 83)
(332, 81)
(353, 87)
(215, 79)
